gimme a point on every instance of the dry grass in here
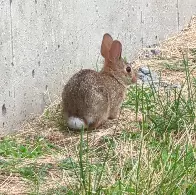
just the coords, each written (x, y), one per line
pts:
(171, 51)
(182, 43)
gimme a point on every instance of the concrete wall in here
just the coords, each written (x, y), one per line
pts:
(43, 42)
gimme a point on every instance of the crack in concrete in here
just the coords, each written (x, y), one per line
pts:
(178, 14)
(11, 31)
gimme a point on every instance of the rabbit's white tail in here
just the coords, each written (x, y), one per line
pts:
(75, 123)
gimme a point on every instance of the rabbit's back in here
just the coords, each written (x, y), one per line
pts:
(85, 96)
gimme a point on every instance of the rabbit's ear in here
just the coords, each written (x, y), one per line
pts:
(115, 51)
(106, 45)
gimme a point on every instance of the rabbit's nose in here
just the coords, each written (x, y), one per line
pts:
(134, 78)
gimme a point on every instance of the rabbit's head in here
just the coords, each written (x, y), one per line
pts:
(114, 64)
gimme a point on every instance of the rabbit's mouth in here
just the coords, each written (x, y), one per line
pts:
(130, 78)
(124, 80)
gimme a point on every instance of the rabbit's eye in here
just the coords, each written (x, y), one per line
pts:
(128, 69)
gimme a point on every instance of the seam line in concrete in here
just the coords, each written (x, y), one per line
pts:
(11, 32)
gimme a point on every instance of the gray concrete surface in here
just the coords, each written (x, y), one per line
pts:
(43, 42)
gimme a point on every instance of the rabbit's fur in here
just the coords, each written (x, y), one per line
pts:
(90, 98)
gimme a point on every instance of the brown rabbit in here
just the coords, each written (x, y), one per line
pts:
(90, 97)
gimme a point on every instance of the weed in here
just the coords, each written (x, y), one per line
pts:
(177, 66)
(68, 164)
(10, 148)
(193, 51)
(35, 173)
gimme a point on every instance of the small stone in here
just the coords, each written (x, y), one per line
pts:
(154, 75)
(147, 79)
(163, 84)
(147, 55)
(155, 51)
(144, 70)
(140, 74)
(176, 86)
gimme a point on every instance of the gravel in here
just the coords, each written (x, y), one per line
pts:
(150, 78)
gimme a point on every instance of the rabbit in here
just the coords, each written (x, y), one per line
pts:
(90, 98)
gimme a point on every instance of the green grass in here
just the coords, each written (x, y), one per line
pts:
(178, 66)
(193, 52)
(158, 158)
(10, 148)
(17, 157)
(35, 173)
